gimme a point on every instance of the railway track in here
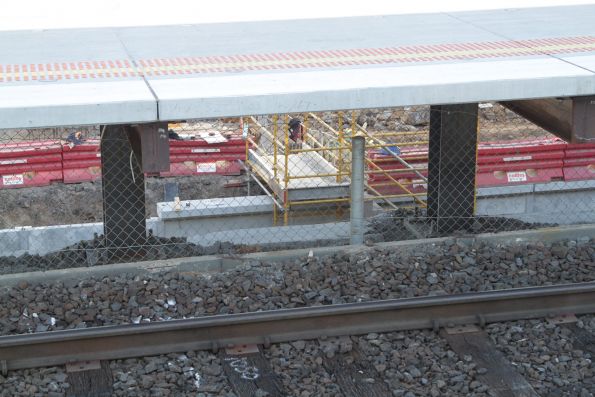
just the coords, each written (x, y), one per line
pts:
(451, 315)
(244, 342)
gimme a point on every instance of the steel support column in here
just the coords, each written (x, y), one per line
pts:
(451, 167)
(123, 180)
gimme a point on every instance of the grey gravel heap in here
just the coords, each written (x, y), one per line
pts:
(420, 363)
(300, 368)
(39, 382)
(544, 354)
(197, 374)
(341, 278)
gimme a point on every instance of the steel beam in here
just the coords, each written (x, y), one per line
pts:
(571, 119)
(123, 181)
(451, 166)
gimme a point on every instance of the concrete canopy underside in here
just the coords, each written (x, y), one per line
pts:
(145, 74)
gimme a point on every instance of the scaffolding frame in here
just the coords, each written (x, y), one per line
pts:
(333, 146)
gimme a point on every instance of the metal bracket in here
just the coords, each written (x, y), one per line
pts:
(4, 367)
(241, 349)
(562, 319)
(83, 366)
(462, 329)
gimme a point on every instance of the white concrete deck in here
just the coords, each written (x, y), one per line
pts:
(302, 164)
(120, 75)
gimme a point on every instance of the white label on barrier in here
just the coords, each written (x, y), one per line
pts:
(17, 161)
(206, 150)
(519, 176)
(206, 167)
(212, 137)
(419, 183)
(12, 180)
(517, 158)
(98, 155)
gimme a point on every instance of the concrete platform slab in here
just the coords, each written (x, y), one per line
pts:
(213, 70)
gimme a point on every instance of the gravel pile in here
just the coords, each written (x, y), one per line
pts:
(197, 374)
(342, 278)
(300, 368)
(414, 363)
(94, 252)
(420, 363)
(388, 226)
(544, 354)
(392, 226)
(46, 382)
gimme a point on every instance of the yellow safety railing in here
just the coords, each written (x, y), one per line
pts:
(274, 147)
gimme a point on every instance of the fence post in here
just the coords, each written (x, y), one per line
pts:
(358, 144)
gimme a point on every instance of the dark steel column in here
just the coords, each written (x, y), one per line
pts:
(451, 167)
(123, 180)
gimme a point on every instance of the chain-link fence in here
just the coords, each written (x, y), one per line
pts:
(84, 196)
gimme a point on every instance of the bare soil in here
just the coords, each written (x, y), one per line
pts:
(60, 204)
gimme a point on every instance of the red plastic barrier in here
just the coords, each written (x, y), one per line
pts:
(197, 157)
(25, 164)
(519, 162)
(221, 167)
(410, 180)
(498, 164)
(579, 162)
(82, 163)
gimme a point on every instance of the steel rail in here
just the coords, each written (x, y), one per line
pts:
(212, 332)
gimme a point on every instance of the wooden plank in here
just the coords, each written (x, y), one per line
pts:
(250, 371)
(96, 382)
(501, 376)
(356, 376)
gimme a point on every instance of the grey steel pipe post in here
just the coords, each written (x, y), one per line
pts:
(358, 144)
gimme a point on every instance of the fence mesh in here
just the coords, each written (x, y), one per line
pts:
(259, 183)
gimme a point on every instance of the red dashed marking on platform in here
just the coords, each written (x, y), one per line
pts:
(175, 66)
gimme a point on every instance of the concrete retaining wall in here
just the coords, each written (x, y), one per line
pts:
(248, 220)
